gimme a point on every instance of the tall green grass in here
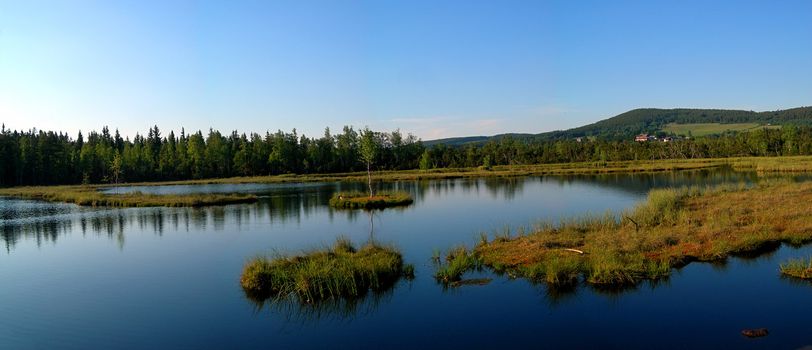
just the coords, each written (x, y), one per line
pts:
(457, 262)
(339, 271)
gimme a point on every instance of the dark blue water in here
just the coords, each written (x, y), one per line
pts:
(81, 278)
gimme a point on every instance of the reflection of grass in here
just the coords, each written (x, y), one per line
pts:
(799, 268)
(671, 228)
(334, 308)
(338, 272)
(90, 196)
(360, 200)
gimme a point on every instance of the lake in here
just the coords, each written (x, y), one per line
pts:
(78, 278)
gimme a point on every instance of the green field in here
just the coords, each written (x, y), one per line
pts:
(704, 129)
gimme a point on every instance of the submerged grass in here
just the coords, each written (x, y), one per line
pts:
(798, 268)
(670, 229)
(360, 200)
(341, 271)
(90, 196)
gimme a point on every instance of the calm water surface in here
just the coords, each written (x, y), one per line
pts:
(73, 277)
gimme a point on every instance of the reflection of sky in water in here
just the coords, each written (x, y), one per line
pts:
(167, 277)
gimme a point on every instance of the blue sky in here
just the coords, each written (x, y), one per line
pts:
(433, 68)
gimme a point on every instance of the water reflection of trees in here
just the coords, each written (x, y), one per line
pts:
(298, 204)
(114, 222)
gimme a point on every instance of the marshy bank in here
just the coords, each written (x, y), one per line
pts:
(91, 196)
(360, 200)
(339, 272)
(794, 164)
(670, 229)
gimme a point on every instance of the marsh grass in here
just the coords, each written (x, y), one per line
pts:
(341, 271)
(798, 268)
(457, 262)
(671, 228)
(90, 196)
(361, 200)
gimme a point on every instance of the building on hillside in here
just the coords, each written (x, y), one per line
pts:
(642, 137)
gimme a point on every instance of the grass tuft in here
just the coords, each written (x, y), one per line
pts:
(798, 268)
(457, 261)
(341, 271)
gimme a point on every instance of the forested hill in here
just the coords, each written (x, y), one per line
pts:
(652, 120)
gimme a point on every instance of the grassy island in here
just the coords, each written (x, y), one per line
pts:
(670, 229)
(341, 271)
(359, 200)
(91, 196)
(798, 268)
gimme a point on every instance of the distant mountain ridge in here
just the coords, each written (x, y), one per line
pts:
(651, 120)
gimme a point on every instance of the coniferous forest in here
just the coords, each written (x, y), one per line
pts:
(38, 157)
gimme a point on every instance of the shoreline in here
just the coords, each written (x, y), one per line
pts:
(89, 194)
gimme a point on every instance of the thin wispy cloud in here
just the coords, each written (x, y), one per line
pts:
(435, 127)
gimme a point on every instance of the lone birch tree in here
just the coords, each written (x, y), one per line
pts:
(368, 150)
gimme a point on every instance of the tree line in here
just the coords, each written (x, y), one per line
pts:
(37, 157)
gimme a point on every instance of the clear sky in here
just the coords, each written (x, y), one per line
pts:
(434, 68)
